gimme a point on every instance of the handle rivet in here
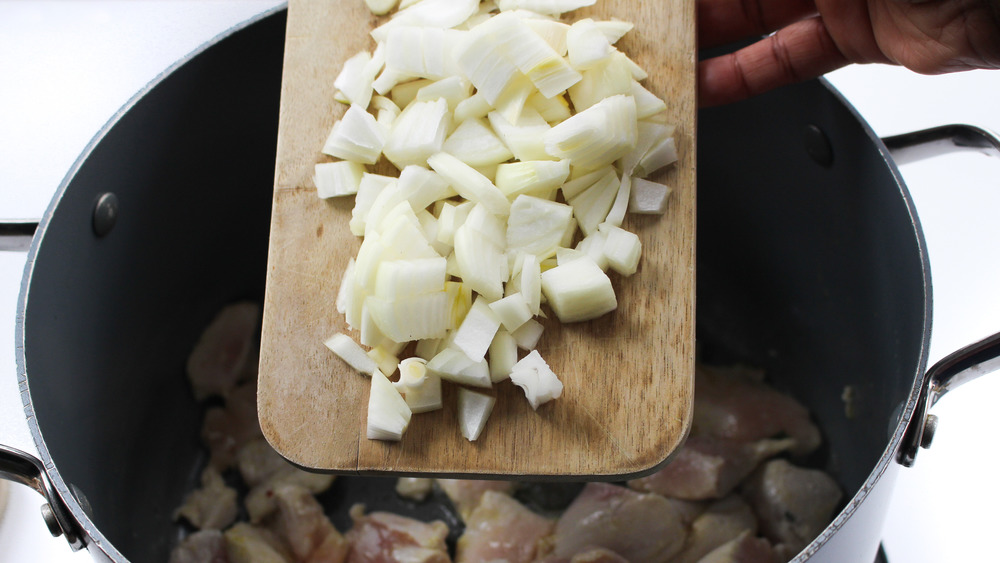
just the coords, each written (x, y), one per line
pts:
(51, 521)
(105, 213)
(817, 145)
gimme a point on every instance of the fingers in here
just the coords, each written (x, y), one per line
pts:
(725, 21)
(797, 52)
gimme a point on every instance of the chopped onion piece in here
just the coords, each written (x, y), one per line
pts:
(535, 177)
(424, 52)
(536, 226)
(473, 107)
(336, 179)
(421, 187)
(552, 31)
(617, 213)
(418, 133)
(476, 332)
(409, 278)
(385, 358)
(369, 188)
(474, 143)
(469, 183)
(539, 382)
(647, 104)
(502, 355)
(411, 318)
(578, 291)
(552, 110)
(614, 29)
(662, 154)
(455, 89)
(429, 13)
(593, 246)
(552, 7)
(648, 197)
(473, 411)
(355, 80)
(453, 365)
(351, 352)
(512, 311)
(587, 44)
(381, 7)
(622, 249)
(580, 184)
(592, 206)
(388, 413)
(530, 284)
(598, 135)
(528, 335)
(357, 137)
(609, 77)
(525, 138)
(421, 389)
(543, 66)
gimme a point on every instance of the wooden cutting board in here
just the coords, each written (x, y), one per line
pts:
(628, 376)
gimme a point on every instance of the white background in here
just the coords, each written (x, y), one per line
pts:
(66, 68)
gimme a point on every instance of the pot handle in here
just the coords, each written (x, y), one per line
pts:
(16, 465)
(16, 235)
(976, 359)
(26, 469)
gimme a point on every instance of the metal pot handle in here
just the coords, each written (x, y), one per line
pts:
(976, 359)
(16, 235)
(19, 466)
(26, 469)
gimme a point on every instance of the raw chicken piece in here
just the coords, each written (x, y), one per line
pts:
(246, 543)
(722, 522)
(636, 526)
(225, 353)
(257, 461)
(794, 504)
(743, 549)
(260, 501)
(211, 507)
(708, 468)
(227, 429)
(383, 537)
(204, 546)
(300, 521)
(465, 493)
(414, 488)
(501, 529)
(734, 407)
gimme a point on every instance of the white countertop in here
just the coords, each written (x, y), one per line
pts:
(68, 66)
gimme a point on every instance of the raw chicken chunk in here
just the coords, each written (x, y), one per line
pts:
(501, 529)
(708, 468)
(204, 546)
(211, 507)
(260, 502)
(383, 537)
(226, 351)
(722, 522)
(743, 549)
(300, 521)
(227, 429)
(257, 461)
(730, 405)
(466, 493)
(794, 504)
(635, 526)
(246, 543)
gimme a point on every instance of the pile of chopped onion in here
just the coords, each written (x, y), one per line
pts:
(521, 142)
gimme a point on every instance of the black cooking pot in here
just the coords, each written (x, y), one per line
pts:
(811, 265)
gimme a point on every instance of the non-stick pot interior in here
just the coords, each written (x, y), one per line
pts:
(810, 265)
(810, 269)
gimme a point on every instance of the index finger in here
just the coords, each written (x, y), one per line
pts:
(725, 21)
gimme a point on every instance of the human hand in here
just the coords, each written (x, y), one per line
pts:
(813, 37)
